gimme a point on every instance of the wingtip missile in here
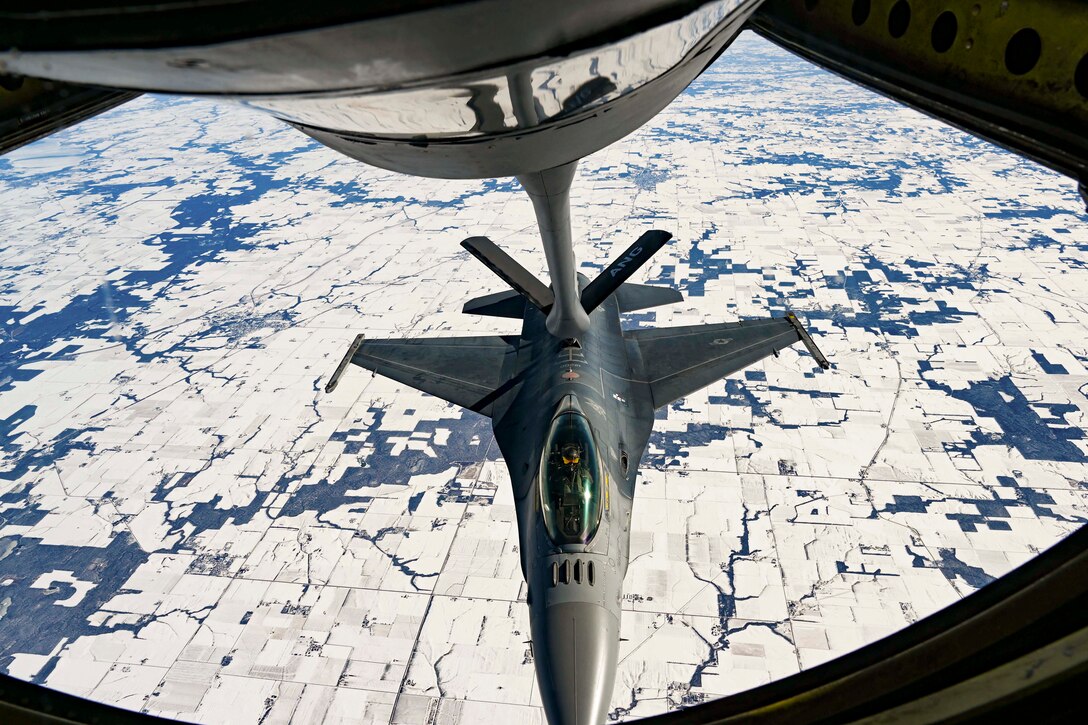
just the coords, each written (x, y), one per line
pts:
(821, 360)
(335, 378)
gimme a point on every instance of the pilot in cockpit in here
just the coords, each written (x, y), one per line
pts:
(570, 481)
(576, 485)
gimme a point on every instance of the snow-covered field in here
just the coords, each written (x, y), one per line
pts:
(190, 526)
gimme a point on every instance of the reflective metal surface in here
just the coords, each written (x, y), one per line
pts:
(522, 97)
(465, 89)
(575, 646)
(267, 47)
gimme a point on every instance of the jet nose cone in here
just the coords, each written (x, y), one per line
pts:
(575, 646)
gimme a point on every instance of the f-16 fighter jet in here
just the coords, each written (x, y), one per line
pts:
(572, 413)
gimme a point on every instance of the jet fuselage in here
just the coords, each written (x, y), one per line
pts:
(575, 584)
(572, 417)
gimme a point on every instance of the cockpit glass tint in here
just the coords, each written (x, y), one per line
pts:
(571, 483)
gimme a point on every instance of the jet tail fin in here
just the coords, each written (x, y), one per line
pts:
(509, 271)
(620, 270)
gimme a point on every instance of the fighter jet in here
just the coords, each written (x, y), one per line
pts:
(572, 415)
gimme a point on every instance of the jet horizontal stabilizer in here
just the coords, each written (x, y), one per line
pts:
(509, 303)
(621, 270)
(502, 264)
(631, 296)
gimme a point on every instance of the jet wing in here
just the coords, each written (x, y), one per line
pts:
(678, 361)
(465, 371)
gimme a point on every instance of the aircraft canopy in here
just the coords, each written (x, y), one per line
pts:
(571, 481)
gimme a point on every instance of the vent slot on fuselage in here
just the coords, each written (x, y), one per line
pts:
(564, 573)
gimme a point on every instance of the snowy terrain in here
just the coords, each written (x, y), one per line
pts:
(190, 526)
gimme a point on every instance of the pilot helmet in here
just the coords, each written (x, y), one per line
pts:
(572, 453)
